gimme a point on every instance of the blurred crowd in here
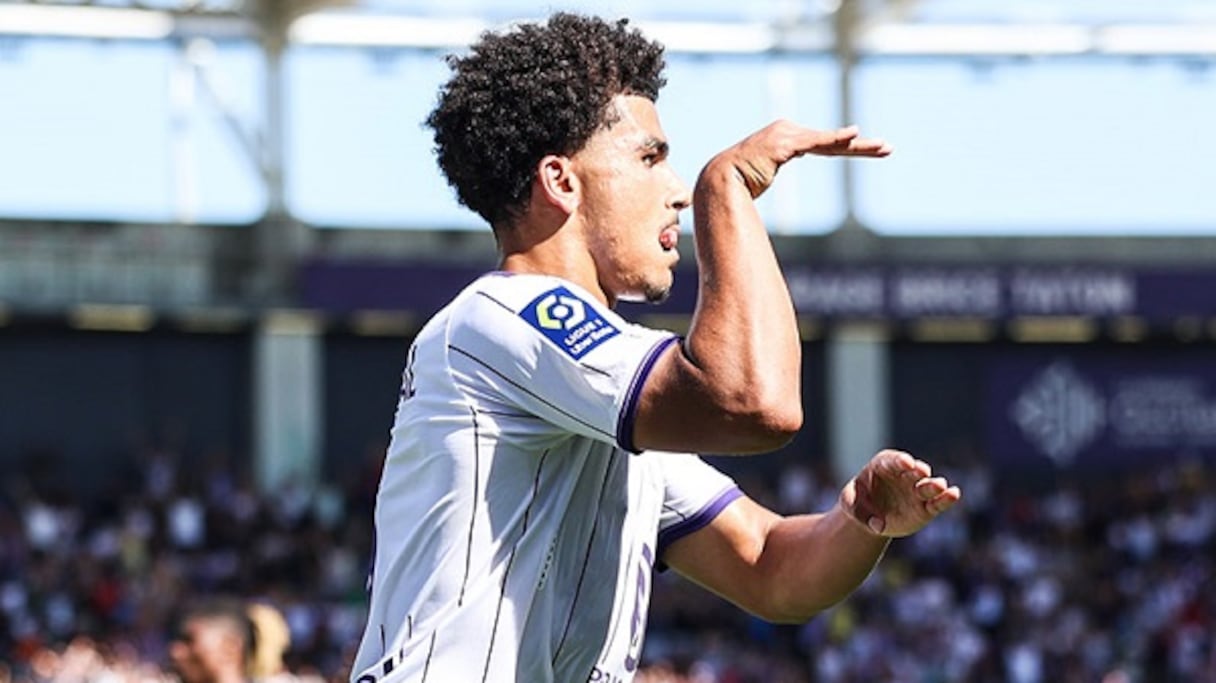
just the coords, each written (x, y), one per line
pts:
(107, 581)
(1103, 577)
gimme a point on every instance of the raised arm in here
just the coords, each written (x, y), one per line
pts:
(733, 386)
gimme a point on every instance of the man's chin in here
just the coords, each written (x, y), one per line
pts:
(649, 295)
(658, 296)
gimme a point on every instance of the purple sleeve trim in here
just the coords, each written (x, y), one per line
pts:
(698, 521)
(625, 421)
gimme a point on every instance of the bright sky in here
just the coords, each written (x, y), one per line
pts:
(105, 130)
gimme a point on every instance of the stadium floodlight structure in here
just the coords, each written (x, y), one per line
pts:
(961, 40)
(1157, 39)
(85, 22)
(887, 28)
(356, 29)
(133, 22)
(351, 29)
(901, 39)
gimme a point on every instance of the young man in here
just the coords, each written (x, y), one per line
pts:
(541, 462)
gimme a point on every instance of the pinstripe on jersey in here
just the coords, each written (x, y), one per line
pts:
(516, 528)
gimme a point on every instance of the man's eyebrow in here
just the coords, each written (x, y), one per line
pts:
(653, 144)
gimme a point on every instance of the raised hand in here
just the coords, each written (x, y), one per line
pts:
(896, 495)
(757, 157)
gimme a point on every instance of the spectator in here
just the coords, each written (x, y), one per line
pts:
(214, 643)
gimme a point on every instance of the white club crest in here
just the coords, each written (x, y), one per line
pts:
(1059, 412)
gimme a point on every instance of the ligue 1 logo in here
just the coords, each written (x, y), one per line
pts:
(568, 321)
(556, 312)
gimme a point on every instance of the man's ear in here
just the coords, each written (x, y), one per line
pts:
(557, 182)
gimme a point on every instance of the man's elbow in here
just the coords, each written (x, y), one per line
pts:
(785, 420)
(784, 599)
(792, 602)
(768, 428)
(789, 612)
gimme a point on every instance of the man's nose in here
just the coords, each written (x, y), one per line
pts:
(681, 197)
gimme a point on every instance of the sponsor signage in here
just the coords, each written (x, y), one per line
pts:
(908, 293)
(1100, 408)
(846, 292)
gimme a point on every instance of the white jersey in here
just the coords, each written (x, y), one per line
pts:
(516, 525)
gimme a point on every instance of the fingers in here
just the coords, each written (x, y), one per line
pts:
(868, 147)
(857, 147)
(900, 464)
(897, 494)
(945, 500)
(757, 158)
(846, 133)
(938, 494)
(846, 142)
(931, 487)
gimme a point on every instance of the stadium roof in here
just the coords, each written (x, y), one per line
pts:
(884, 27)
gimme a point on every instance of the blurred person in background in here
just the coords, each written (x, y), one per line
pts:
(272, 638)
(214, 642)
(541, 459)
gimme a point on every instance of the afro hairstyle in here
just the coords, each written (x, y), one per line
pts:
(531, 91)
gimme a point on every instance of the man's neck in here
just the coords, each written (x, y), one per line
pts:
(558, 253)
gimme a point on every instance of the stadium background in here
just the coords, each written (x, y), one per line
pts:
(220, 224)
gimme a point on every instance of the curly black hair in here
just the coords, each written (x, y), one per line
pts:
(534, 90)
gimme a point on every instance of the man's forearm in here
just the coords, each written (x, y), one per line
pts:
(744, 330)
(812, 562)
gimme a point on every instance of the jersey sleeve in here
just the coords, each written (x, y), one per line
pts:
(553, 352)
(694, 494)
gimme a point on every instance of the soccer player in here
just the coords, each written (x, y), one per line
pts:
(542, 457)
